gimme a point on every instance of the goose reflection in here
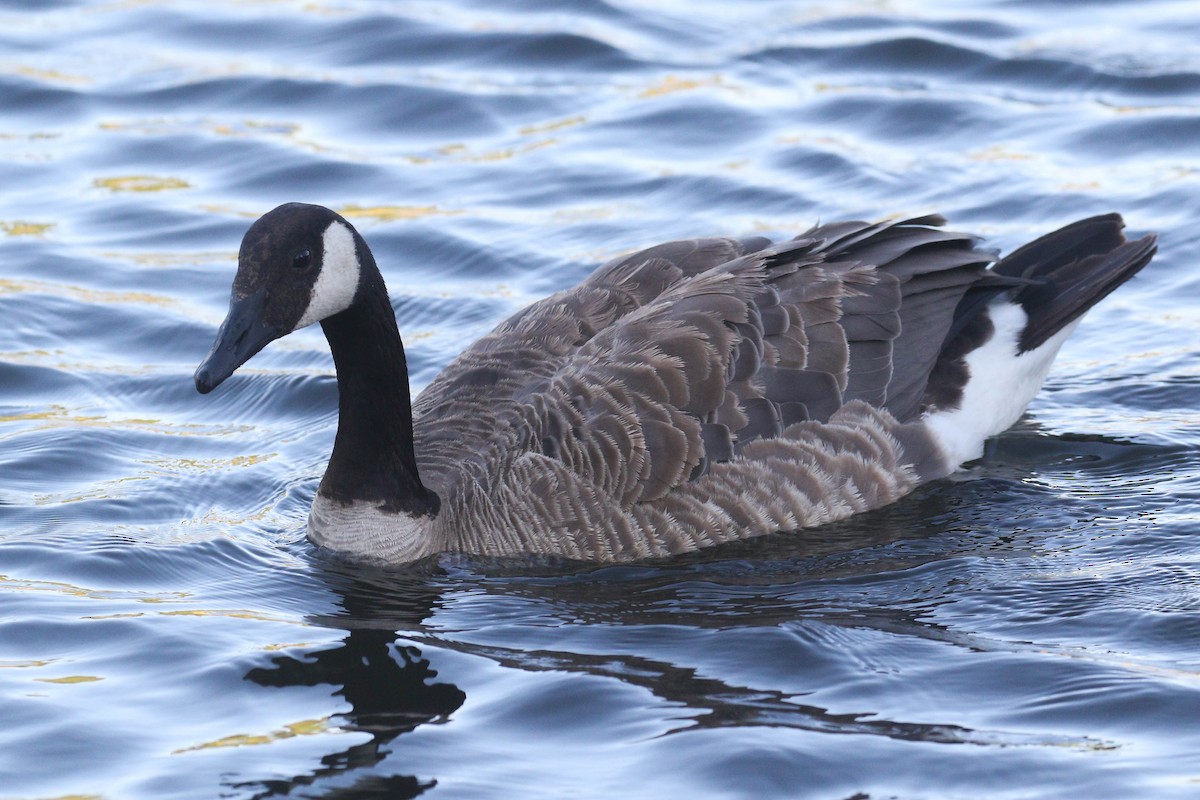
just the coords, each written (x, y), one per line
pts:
(785, 582)
(390, 687)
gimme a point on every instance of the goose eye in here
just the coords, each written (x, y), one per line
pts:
(302, 260)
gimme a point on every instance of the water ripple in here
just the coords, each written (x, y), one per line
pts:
(1025, 626)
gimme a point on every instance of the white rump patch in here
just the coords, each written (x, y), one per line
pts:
(337, 283)
(1000, 385)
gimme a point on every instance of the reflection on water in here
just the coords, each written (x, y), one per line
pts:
(389, 691)
(1026, 628)
(840, 589)
(388, 684)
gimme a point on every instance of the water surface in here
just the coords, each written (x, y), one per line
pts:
(1029, 628)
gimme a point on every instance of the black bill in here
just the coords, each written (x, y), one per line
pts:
(241, 335)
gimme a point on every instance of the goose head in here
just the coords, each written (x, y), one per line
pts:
(298, 264)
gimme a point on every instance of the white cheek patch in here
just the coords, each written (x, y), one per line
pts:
(337, 283)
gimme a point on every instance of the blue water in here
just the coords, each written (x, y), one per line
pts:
(1027, 629)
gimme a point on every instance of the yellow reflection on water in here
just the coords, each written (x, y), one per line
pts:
(671, 84)
(21, 228)
(208, 464)
(554, 125)
(230, 211)
(45, 75)
(83, 294)
(140, 183)
(999, 152)
(165, 125)
(394, 213)
(107, 490)
(10, 583)
(285, 131)
(463, 154)
(307, 727)
(1080, 186)
(280, 646)
(56, 416)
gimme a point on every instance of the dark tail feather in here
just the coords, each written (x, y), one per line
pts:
(1070, 270)
(1055, 279)
(1058, 277)
(1087, 237)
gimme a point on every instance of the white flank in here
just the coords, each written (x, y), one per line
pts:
(338, 281)
(1000, 385)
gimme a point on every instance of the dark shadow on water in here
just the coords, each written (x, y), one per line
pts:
(809, 578)
(390, 688)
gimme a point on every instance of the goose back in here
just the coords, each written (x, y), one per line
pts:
(618, 406)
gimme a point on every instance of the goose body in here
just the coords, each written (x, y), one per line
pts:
(685, 395)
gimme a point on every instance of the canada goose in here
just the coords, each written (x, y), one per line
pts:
(692, 393)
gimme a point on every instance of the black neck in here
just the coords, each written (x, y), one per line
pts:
(373, 457)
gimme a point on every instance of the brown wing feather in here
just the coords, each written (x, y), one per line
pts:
(673, 359)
